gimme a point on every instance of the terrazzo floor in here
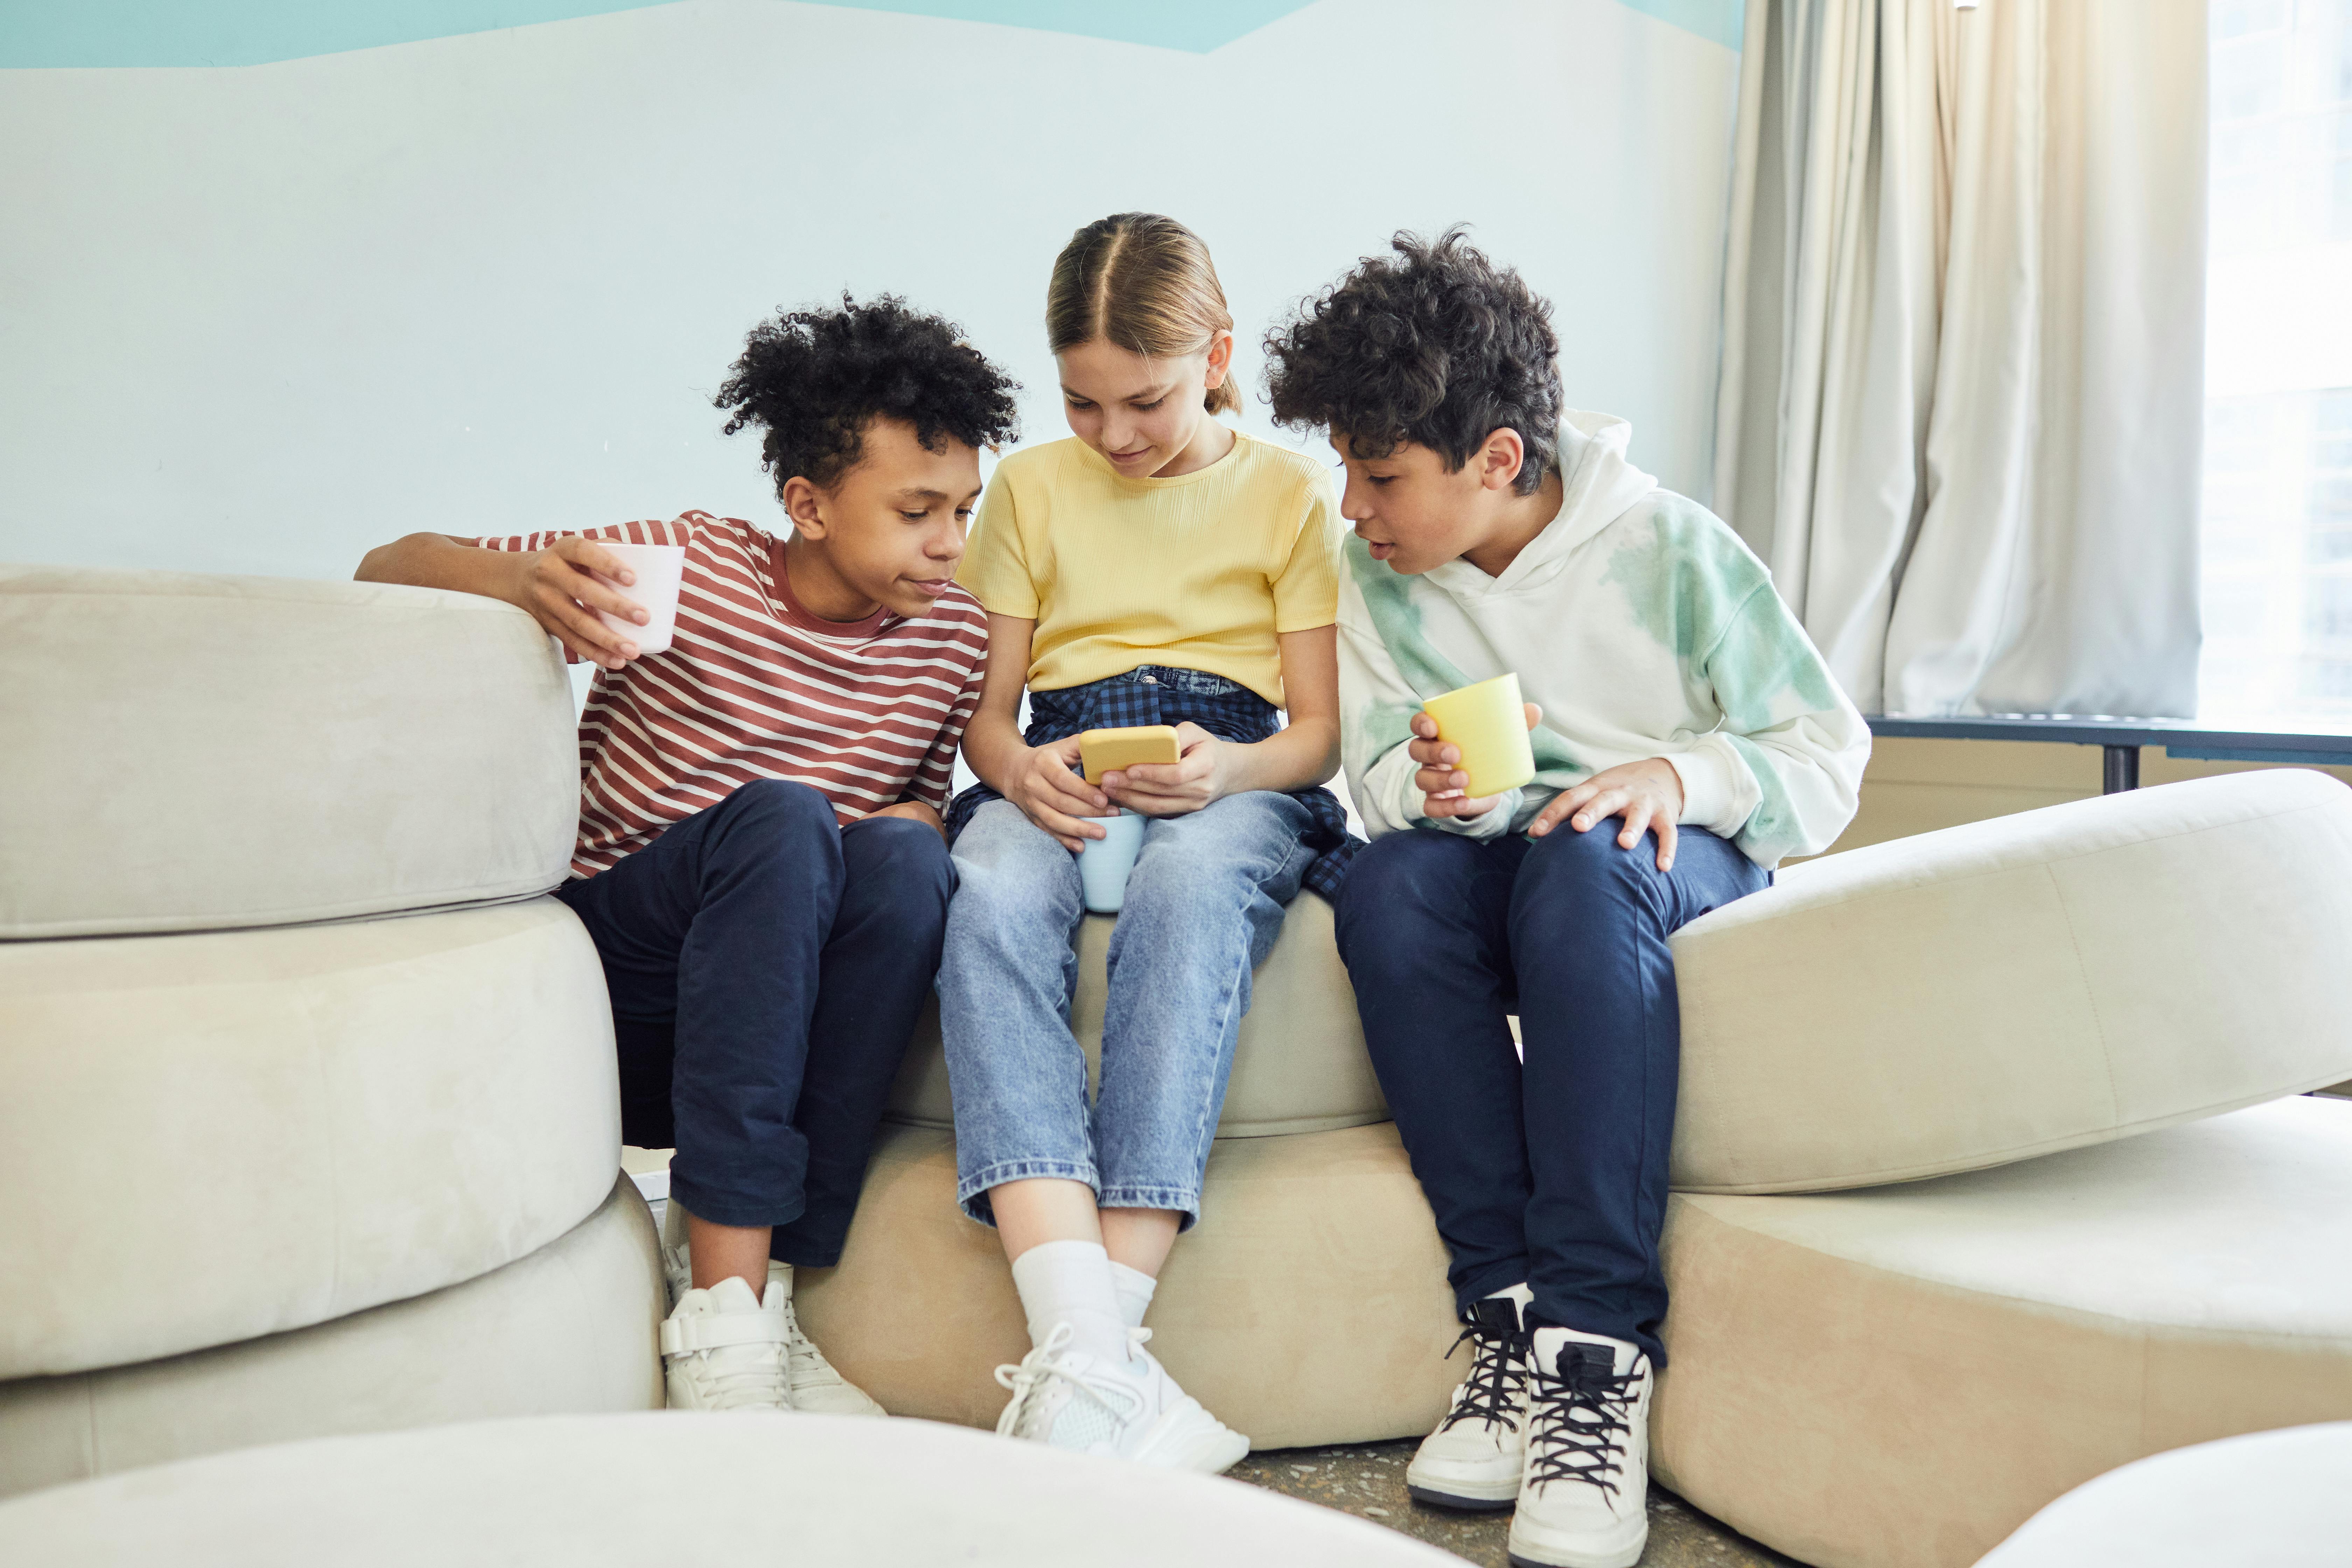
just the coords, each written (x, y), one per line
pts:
(1368, 1480)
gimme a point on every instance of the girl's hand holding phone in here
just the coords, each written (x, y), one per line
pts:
(1202, 774)
(1053, 793)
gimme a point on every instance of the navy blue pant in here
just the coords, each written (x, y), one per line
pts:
(766, 969)
(1553, 1173)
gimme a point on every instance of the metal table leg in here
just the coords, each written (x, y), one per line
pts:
(2121, 770)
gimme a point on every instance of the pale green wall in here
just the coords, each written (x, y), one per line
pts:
(258, 319)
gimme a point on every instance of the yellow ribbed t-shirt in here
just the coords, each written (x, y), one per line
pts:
(1198, 571)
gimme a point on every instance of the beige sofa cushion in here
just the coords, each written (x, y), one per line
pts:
(1299, 1066)
(1310, 1305)
(1899, 1377)
(2281, 1499)
(196, 753)
(212, 1137)
(2017, 986)
(569, 1327)
(626, 1491)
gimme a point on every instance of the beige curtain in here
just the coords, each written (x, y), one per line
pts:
(1963, 384)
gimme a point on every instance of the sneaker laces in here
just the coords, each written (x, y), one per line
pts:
(799, 1348)
(1498, 1377)
(752, 1375)
(1578, 1421)
(1035, 1375)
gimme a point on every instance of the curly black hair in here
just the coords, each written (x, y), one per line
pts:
(814, 378)
(1435, 346)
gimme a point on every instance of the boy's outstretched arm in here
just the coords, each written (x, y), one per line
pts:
(557, 585)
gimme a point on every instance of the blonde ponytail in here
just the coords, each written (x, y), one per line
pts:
(1143, 283)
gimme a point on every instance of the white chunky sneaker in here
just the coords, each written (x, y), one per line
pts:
(815, 1386)
(1584, 1498)
(723, 1348)
(1069, 1399)
(1475, 1457)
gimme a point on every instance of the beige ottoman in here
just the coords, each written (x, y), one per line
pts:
(308, 1112)
(1310, 1305)
(2281, 1499)
(622, 1491)
(1899, 1377)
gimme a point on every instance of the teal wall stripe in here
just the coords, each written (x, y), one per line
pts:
(1721, 20)
(121, 33)
(106, 33)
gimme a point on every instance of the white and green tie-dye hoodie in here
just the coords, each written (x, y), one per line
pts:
(1643, 627)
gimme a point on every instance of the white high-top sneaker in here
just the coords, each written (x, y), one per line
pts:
(1584, 1500)
(1475, 1457)
(723, 1348)
(815, 1386)
(1069, 1399)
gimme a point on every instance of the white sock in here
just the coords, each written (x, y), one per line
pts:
(1134, 1289)
(1070, 1282)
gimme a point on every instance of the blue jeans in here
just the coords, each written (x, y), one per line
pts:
(1553, 1173)
(1203, 905)
(767, 967)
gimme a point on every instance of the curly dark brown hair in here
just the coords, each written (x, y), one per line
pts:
(1435, 345)
(814, 378)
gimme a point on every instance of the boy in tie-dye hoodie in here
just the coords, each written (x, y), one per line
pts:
(1687, 737)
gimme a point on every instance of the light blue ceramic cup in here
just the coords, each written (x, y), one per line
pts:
(1104, 863)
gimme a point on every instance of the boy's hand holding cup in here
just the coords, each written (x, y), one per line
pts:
(1462, 747)
(1473, 739)
(574, 589)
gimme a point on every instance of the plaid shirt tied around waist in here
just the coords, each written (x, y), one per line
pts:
(1155, 694)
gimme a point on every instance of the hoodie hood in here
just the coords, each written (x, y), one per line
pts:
(1598, 485)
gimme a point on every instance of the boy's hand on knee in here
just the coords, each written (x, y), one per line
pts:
(562, 589)
(1648, 795)
(1197, 778)
(1052, 793)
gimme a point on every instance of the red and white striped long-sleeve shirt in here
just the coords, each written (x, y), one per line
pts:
(754, 686)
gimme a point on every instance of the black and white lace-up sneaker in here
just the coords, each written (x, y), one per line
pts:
(1475, 1457)
(1584, 1496)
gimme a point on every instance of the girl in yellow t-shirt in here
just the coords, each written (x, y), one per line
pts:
(1157, 568)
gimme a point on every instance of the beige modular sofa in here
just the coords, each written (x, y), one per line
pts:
(308, 1119)
(1992, 1175)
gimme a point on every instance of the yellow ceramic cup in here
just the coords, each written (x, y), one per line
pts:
(1489, 723)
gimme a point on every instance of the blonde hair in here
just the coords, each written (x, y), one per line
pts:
(1143, 283)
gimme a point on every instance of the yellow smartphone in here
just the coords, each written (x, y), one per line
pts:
(1107, 751)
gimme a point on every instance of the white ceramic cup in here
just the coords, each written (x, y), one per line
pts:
(1104, 863)
(658, 568)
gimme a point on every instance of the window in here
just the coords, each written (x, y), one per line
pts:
(2277, 506)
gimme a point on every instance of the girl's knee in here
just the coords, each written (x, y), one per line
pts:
(1014, 892)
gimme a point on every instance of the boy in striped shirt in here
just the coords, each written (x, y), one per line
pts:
(759, 859)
